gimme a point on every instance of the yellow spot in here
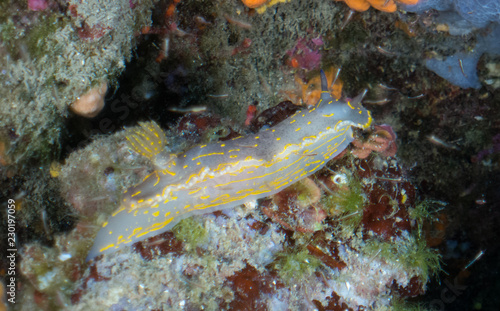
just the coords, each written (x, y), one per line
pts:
(106, 247)
(278, 138)
(185, 166)
(136, 230)
(168, 172)
(55, 169)
(308, 137)
(138, 192)
(207, 154)
(233, 156)
(404, 197)
(118, 211)
(194, 191)
(156, 213)
(298, 129)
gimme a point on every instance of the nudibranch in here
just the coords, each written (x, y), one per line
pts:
(222, 175)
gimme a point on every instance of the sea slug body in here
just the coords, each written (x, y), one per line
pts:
(225, 174)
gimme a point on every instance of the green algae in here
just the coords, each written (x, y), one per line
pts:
(191, 232)
(36, 39)
(399, 304)
(348, 202)
(412, 253)
(296, 265)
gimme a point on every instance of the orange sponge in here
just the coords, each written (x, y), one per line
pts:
(381, 5)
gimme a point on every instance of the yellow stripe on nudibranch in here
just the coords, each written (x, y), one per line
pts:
(222, 175)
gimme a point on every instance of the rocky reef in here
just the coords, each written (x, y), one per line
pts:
(382, 226)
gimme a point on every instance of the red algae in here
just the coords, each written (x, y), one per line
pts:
(294, 208)
(159, 245)
(249, 286)
(382, 139)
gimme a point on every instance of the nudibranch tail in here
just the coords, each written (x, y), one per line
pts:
(222, 175)
(148, 141)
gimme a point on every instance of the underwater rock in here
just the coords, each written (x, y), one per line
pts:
(248, 260)
(475, 13)
(51, 52)
(460, 69)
